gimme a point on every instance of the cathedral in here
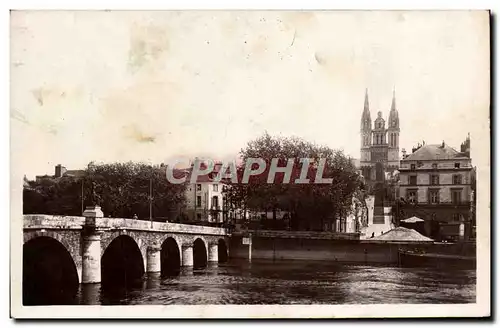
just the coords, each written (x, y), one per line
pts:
(379, 145)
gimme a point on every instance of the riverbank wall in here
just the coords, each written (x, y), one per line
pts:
(321, 247)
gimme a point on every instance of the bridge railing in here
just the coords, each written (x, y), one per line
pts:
(77, 222)
(53, 221)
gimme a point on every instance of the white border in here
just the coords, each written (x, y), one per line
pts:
(230, 311)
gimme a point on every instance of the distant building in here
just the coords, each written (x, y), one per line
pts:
(436, 183)
(379, 145)
(61, 171)
(379, 158)
(204, 199)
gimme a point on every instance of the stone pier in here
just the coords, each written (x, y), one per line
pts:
(153, 262)
(187, 255)
(213, 253)
(91, 244)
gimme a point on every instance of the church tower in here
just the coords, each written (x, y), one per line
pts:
(366, 133)
(393, 135)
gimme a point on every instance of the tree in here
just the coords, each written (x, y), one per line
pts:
(121, 189)
(124, 190)
(309, 204)
(53, 196)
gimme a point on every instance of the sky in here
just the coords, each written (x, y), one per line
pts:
(110, 86)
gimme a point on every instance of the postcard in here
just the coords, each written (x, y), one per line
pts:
(250, 164)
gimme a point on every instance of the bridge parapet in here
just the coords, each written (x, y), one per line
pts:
(35, 221)
(78, 222)
(114, 223)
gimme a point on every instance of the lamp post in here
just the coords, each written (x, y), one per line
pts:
(82, 195)
(151, 201)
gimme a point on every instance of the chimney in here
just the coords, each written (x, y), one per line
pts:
(60, 170)
(442, 145)
(404, 153)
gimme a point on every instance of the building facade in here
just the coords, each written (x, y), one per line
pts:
(59, 172)
(204, 199)
(436, 184)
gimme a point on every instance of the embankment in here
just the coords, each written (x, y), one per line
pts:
(304, 247)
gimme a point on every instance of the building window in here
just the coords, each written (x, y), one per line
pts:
(434, 179)
(457, 165)
(412, 180)
(198, 187)
(411, 196)
(198, 216)
(456, 217)
(457, 179)
(216, 187)
(215, 202)
(412, 167)
(434, 196)
(198, 201)
(456, 196)
(434, 166)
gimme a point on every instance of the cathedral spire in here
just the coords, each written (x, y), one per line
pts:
(393, 114)
(366, 121)
(367, 105)
(393, 105)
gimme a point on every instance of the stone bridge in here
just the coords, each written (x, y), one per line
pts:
(93, 249)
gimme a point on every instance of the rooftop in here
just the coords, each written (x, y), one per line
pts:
(435, 152)
(75, 173)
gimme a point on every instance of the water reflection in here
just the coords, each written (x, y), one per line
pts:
(289, 283)
(153, 280)
(89, 294)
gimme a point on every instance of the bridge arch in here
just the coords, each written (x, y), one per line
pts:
(50, 276)
(200, 253)
(222, 251)
(54, 235)
(178, 240)
(170, 257)
(122, 262)
(108, 238)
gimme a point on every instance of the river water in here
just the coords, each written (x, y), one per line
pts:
(293, 282)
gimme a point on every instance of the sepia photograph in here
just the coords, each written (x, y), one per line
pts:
(250, 164)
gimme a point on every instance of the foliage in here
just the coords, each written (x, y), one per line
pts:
(309, 204)
(51, 196)
(121, 189)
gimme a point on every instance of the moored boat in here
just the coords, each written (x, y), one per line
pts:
(409, 258)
